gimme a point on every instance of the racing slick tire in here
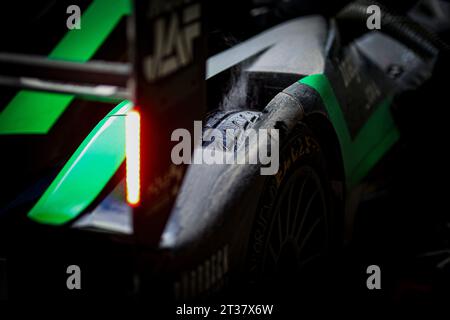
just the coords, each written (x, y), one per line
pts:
(295, 229)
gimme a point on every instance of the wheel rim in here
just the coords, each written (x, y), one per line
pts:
(298, 234)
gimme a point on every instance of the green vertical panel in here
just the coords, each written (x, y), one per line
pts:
(373, 156)
(36, 112)
(321, 84)
(374, 139)
(86, 173)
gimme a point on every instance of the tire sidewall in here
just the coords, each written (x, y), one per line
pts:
(300, 149)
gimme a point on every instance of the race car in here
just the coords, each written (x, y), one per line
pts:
(89, 111)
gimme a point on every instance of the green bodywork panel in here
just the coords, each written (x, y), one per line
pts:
(374, 139)
(86, 173)
(31, 112)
